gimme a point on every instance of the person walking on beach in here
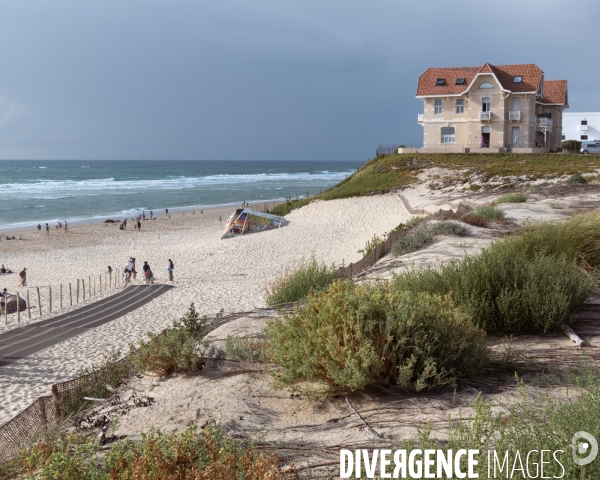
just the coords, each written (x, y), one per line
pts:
(139, 225)
(39, 227)
(150, 214)
(128, 271)
(147, 272)
(170, 268)
(166, 211)
(22, 278)
(133, 270)
(66, 227)
(47, 229)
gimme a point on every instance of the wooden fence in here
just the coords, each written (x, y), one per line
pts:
(381, 251)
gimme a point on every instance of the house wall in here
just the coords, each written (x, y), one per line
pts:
(572, 125)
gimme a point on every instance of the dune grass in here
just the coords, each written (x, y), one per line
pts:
(512, 198)
(421, 237)
(296, 281)
(507, 289)
(577, 239)
(387, 173)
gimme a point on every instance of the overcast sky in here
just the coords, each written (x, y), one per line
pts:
(259, 79)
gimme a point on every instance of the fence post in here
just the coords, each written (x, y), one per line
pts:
(83, 288)
(43, 412)
(50, 290)
(61, 296)
(109, 281)
(350, 270)
(39, 300)
(70, 294)
(28, 306)
(6, 309)
(90, 285)
(100, 283)
(18, 308)
(94, 287)
(56, 400)
(77, 290)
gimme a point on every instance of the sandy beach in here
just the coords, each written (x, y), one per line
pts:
(214, 274)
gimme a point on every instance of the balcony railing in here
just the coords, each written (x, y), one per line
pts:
(420, 118)
(544, 121)
(514, 115)
(485, 115)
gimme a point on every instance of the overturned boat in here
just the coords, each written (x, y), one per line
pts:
(246, 220)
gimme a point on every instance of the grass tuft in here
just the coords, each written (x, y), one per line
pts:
(421, 237)
(577, 178)
(512, 198)
(297, 281)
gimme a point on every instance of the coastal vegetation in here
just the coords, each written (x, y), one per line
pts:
(174, 350)
(354, 336)
(297, 281)
(421, 237)
(387, 173)
(518, 197)
(192, 454)
(505, 289)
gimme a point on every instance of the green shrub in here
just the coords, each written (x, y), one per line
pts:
(490, 213)
(577, 239)
(296, 281)
(529, 425)
(421, 237)
(557, 206)
(475, 220)
(512, 198)
(353, 336)
(577, 178)
(504, 290)
(176, 349)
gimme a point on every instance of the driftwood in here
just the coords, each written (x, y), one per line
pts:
(572, 335)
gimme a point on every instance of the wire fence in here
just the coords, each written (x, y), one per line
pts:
(46, 412)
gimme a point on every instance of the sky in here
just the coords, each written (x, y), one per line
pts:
(261, 79)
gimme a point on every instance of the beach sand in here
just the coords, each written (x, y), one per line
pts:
(214, 274)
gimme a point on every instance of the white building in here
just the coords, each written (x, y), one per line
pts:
(581, 126)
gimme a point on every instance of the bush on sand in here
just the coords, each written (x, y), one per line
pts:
(296, 281)
(424, 235)
(512, 198)
(354, 336)
(505, 290)
(174, 350)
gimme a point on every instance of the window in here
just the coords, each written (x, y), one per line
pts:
(584, 137)
(460, 81)
(440, 81)
(584, 122)
(447, 134)
(518, 79)
(460, 106)
(564, 137)
(486, 104)
(486, 85)
(438, 107)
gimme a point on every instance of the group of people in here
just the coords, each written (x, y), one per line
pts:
(57, 226)
(130, 273)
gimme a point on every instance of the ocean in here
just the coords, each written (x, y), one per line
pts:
(33, 192)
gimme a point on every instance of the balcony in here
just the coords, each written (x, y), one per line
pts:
(543, 121)
(420, 118)
(583, 128)
(485, 116)
(514, 115)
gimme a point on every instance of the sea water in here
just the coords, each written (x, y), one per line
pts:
(33, 191)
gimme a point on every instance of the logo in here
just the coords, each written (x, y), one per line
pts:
(584, 444)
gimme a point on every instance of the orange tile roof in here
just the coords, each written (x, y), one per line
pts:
(555, 91)
(504, 73)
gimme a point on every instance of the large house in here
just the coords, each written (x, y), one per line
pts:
(493, 107)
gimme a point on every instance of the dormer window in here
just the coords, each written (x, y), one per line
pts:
(518, 79)
(460, 81)
(486, 85)
(440, 81)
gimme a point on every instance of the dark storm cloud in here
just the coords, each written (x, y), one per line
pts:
(265, 79)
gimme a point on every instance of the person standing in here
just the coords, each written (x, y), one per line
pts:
(170, 268)
(66, 227)
(47, 229)
(128, 270)
(133, 270)
(139, 226)
(147, 272)
(23, 278)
